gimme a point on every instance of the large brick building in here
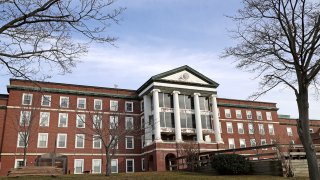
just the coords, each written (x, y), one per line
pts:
(174, 107)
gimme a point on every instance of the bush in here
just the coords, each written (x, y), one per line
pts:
(230, 164)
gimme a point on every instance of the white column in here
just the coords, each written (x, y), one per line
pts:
(176, 110)
(198, 117)
(216, 123)
(156, 115)
(147, 113)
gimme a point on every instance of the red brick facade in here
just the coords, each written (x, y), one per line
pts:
(153, 155)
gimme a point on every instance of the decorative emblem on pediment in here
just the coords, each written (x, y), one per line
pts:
(184, 77)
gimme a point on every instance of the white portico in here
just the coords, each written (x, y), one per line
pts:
(180, 105)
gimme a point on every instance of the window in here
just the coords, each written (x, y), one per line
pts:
(25, 117)
(62, 141)
(42, 140)
(46, 100)
(129, 165)
(259, 115)
(269, 116)
(311, 130)
(289, 131)
(273, 142)
(291, 142)
(81, 103)
(64, 102)
(97, 121)
(96, 166)
(129, 123)
(79, 141)
(141, 106)
(63, 120)
(129, 142)
(142, 164)
(44, 119)
(204, 103)
(206, 122)
(113, 105)
(271, 129)
(142, 122)
(229, 128)
(238, 114)
(129, 106)
(114, 166)
(240, 128)
(263, 142)
(167, 119)
(242, 143)
(231, 143)
(26, 99)
(165, 100)
(185, 102)
(113, 122)
(97, 104)
(80, 121)
(249, 114)
(78, 166)
(22, 139)
(142, 141)
(227, 113)
(114, 142)
(253, 143)
(261, 129)
(251, 128)
(19, 163)
(96, 144)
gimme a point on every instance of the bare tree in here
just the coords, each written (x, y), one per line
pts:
(108, 129)
(41, 35)
(190, 150)
(279, 40)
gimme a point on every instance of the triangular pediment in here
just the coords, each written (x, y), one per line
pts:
(185, 76)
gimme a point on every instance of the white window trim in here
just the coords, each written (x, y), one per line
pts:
(94, 104)
(42, 100)
(264, 140)
(95, 118)
(62, 134)
(249, 114)
(240, 117)
(82, 167)
(229, 123)
(85, 103)
(255, 142)
(244, 141)
(83, 120)
(127, 165)
(22, 113)
(240, 125)
(249, 132)
(18, 140)
(132, 142)
(128, 102)
(261, 129)
(291, 133)
(111, 108)
(16, 162)
(93, 139)
(99, 160)
(39, 134)
(76, 141)
(116, 121)
(61, 97)
(127, 119)
(141, 106)
(48, 123)
(31, 97)
(66, 120)
(259, 114)
(229, 140)
(226, 114)
(142, 165)
(269, 116)
(116, 166)
(273, 132)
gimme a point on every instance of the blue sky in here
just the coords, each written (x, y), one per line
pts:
(159, 35)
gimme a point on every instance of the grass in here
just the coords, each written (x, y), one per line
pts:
(156, 175)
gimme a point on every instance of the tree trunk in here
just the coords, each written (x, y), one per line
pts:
(304, 134)
(108, 164)
(25, 156)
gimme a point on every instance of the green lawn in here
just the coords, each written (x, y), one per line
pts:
(158, 175)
